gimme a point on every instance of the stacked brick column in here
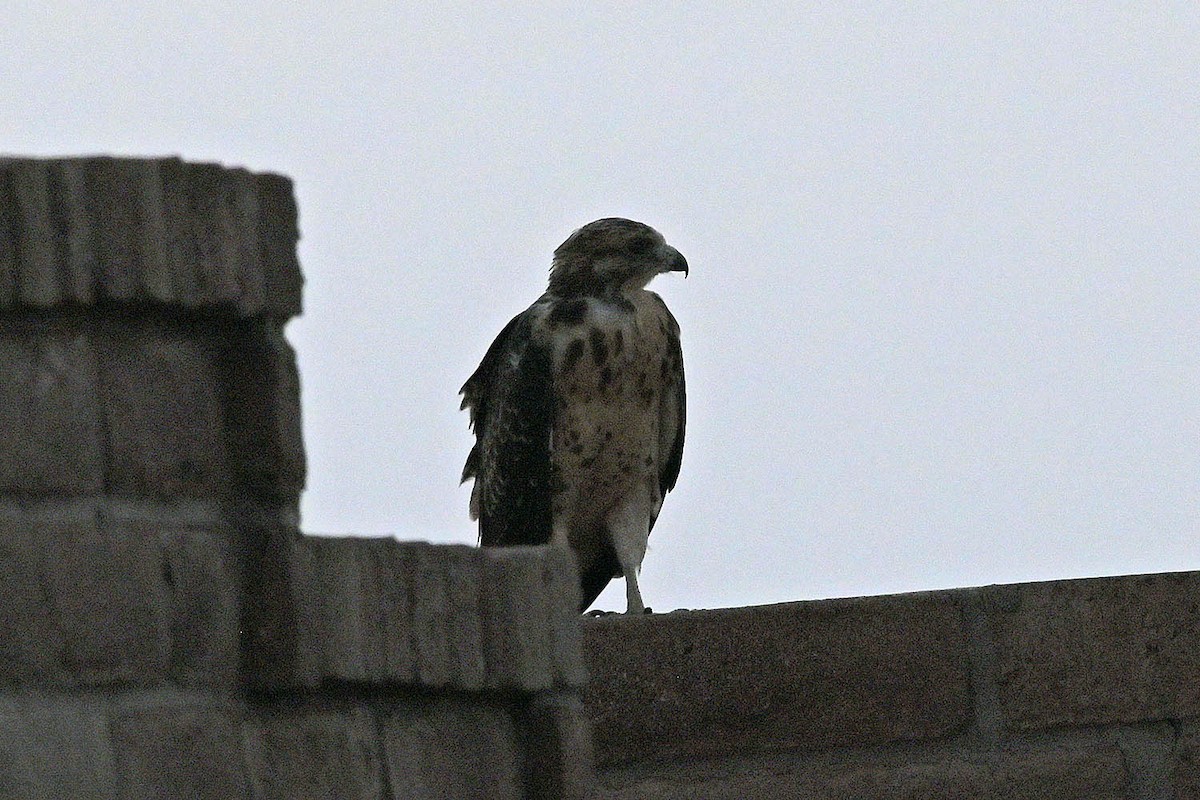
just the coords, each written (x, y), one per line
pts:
(164, 629)
(149, 437)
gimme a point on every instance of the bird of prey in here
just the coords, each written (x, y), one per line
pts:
(578, 409)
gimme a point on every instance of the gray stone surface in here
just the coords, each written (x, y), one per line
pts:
(282, 615)
(174, 749)
(348, 646)
(531, 633)
(402, 613)
(446, 623)
(1185, 776)
(311, 754)
(278, 235)
(263, 414)
(114, 200)
(50, 435)
(54, 748)
(1098, 651)
(1053, 774)
(453, 747)
(31, 645)
(202, 595)
(162, 230)
(78, 264)
(558, 747)
(811, 675)
(163, 408)
(221, 228)
(85, 604)
(34, 236)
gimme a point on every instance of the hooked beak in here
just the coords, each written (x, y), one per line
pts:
(675, 261)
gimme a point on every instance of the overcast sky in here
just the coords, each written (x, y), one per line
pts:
(941, 324)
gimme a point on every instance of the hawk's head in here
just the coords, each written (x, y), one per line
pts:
(610, 256)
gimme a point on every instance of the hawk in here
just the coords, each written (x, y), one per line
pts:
(578, 409)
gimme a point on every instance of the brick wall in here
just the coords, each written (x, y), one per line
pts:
(166, 632)
(1070, 689)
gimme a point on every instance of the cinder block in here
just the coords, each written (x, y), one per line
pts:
(114, 205)
(215, 228)
(148, 230)
(243, 202)
(561, 583)
(1098, 651)
(50, 440)
(1061, 774)
(278, 235)
(53, 749)
(517, 619)
(77, 262)
(462, 573)
(442, 616)
(331, 755)
(445, 628)
(10, 257)
(349, 647)
(282, 617)
(178, 235)
(460, 747)
(559, 761)
(175, 749)
(398, 613)
(202, 588)
(31, 643)
(155, 268)
(34, 233)
(86, 604)
(811, 675)
(263, 414)
(162, 405)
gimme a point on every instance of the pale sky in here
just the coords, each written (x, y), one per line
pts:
(941, 324)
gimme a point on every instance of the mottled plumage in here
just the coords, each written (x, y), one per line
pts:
(579, 408)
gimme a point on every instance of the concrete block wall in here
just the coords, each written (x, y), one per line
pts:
(1066, 689)
(165, 632)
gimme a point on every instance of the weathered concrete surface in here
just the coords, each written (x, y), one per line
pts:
(50, 434)
(200, 573)
(1185, 775)
(386, 612)
(173, 749)
(453, 747)
(1097, 651)
(558, 746)
(163, 409)
(1058, 774)
(54, 748)
(166, 632)
(75, 231)
(84, 604)
(332, 753)
(810, 675)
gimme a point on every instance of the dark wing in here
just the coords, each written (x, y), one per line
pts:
(512, 412)
(672, 415)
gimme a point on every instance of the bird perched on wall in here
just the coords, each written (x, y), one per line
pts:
(578, 409)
